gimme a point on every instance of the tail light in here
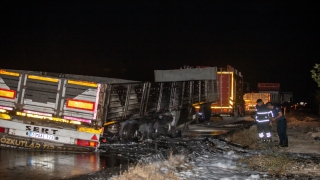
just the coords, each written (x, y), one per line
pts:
(2, 130)
(81, 142)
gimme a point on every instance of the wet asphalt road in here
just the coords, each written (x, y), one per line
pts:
(22, 164)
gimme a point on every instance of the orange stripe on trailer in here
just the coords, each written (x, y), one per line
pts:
(218, 107)
(80, 104)
(7, 93)
(83, 83)
(41, 78)
(9, 73)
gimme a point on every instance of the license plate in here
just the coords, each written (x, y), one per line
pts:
(41, 136)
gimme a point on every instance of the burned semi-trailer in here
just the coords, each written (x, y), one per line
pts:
(163, 107)
(48, 111)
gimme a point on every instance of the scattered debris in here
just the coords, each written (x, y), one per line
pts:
(157, 170)
(238, 155)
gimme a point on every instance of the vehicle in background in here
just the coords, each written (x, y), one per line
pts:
(251, 101)
(230, 88)
(273, 89)
(287, 101)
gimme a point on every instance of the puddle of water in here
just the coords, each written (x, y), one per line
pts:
(22, 164)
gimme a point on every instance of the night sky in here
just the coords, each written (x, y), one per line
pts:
(267, 41)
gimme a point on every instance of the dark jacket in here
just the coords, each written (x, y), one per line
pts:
(263, 114)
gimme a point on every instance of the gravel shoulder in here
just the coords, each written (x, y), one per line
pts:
(303, 134)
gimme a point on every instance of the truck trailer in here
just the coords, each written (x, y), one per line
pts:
(251, 101)
(65, 112)
(273, 89)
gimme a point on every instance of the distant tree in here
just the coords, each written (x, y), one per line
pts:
(315, 74)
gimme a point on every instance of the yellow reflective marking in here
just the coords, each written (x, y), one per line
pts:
(5, 116)
(7, 93)
(9, 73)
(109, 123)
(223, 72)
(41, 78)
(48, 118)
(83, 83)
(218, 107)
(89, 130)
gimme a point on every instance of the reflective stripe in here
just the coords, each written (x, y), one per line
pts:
(263, 112)
(271, 113)
(263, 120)
(268, 134)
(261, 135)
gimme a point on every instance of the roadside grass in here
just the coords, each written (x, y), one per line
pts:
(275, 164)
(247, 138)
(145, 172)
(157, 170)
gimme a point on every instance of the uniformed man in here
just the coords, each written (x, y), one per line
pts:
(281, 121)
(263, 121)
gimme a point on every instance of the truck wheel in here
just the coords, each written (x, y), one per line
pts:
(128, 132)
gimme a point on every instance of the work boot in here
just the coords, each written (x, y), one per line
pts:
(283, 145)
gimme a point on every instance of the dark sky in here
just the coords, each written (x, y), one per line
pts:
(268, 41)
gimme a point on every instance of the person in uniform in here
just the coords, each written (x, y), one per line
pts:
(281, 121)
(262, 118)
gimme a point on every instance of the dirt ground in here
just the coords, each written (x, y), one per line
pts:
(303, 132)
